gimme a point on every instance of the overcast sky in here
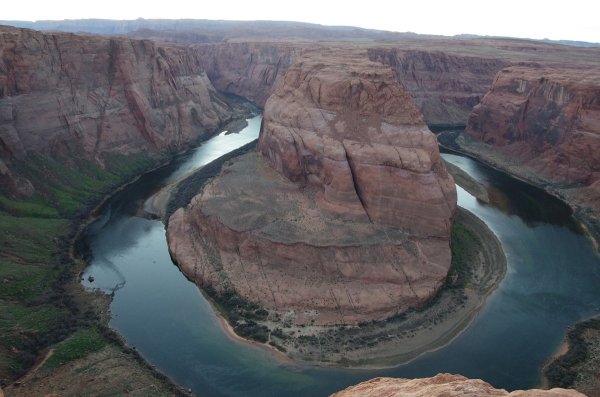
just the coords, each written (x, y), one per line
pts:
(565, 19)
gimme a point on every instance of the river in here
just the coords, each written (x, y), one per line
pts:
(551, 282)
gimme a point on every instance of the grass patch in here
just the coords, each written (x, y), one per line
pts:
(35, 206)
(37, 308)
(31, 239)
(78, 345)
(465, 246)
(25, 283)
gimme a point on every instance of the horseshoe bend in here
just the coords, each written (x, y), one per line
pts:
(341, 217)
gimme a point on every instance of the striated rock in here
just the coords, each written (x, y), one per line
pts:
(442, 385)
(344, 126)
(547, 121)
(445, 86)
(71, 96)
(251, 70)
(345, 217)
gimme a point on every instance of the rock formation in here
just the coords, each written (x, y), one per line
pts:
(71, 96)
(445, 86)
(442, 385)
(346, 127)
(346, 215)
(546, 121)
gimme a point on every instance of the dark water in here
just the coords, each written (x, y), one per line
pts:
(553, 280)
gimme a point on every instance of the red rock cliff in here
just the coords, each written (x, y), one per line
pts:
(548, 121)
(445, 86)
(251, 70)
(67, 95)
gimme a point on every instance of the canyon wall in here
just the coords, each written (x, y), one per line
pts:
(444, 86)
(546, 122)
(251, 70)
(345, 214)
(442, 385)
(70, 96)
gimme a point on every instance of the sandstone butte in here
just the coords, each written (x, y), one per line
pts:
(343, 216)
(442, 385)
(545, 124)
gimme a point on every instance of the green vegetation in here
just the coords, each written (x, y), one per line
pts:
(38, 306)
(581, 357)
(78, 345)
(465, 246)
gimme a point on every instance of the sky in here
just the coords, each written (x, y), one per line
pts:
(553, 19)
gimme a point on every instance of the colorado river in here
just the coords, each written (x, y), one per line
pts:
(552, 282)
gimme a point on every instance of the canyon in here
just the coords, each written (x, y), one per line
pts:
(342, 113)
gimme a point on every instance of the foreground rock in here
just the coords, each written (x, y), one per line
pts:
(543, 124)
(346, 216)
(442, 385)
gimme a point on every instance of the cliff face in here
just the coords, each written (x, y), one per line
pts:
(70, 96)
(346, 127)
(548, 121)
(251, 70)
(345, 217)
(442, 385)
(444, 86)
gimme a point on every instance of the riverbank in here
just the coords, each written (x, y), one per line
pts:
(479, 265)
(457, 141)
(464, 180)
(66, 309)
(577, 363)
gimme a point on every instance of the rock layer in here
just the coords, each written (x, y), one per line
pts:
(442, 385)
(71, 96)
(346, 215)
(548, 121)
(445, 86)
(344, 126)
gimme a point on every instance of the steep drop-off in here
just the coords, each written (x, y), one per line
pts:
(544, 124)
(345, 217)
(70, 96)
(445, 86)
(442, 385)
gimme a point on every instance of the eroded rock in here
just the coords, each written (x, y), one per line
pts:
(442, 385)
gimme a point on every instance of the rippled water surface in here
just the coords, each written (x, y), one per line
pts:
(552, 281)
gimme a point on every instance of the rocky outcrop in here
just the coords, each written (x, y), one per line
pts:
(344, 126)
(546, 121)
(70, 96)
(345, 217)
(444, 86)
(442, 385)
